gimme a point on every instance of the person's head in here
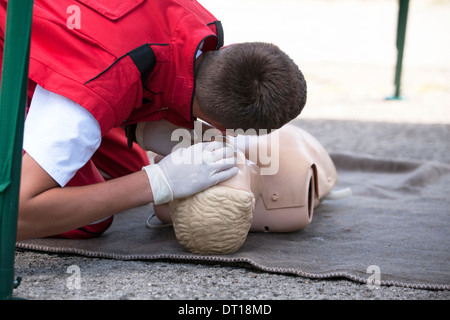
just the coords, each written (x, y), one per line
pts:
(251, 85)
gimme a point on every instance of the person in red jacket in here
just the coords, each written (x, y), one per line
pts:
(126, 63)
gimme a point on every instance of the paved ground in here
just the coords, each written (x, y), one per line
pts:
(346, 50)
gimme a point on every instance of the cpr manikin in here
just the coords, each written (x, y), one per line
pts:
(257, 199)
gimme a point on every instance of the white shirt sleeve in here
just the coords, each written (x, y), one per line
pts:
(60, 135)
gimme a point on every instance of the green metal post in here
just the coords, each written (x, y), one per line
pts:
(401, 34)
(13, 94)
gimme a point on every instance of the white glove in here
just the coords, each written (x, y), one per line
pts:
(190, 170)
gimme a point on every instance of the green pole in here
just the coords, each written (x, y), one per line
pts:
(13, 97)
(401, 34)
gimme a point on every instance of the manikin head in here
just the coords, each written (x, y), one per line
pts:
(217, 220)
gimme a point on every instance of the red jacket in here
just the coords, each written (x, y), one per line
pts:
(129, 60)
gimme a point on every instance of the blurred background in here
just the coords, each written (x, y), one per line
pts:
(346, 50)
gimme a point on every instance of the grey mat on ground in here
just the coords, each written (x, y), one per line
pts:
(397, 220)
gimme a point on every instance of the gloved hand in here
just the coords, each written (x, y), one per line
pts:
(187, 171)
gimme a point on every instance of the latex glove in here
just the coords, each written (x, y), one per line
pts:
(190, 170)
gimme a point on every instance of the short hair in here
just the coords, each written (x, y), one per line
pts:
(214, 221)
(250, 85)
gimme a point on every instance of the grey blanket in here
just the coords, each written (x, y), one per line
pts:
(394, 228)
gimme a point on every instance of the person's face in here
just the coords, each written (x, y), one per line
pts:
(198, 113)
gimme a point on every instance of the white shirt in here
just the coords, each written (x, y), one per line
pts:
(60, 135)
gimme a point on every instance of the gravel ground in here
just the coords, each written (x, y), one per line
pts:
(45, 277)
(346, 50)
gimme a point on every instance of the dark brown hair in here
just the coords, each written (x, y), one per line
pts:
(250, 85)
